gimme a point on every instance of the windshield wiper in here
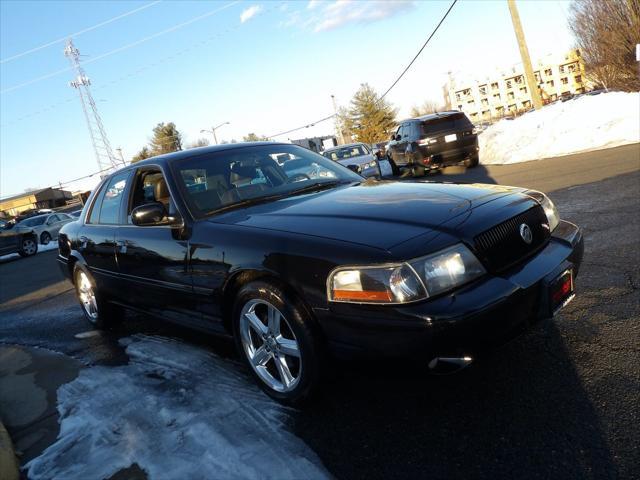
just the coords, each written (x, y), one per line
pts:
(319, 186)
(255, 201)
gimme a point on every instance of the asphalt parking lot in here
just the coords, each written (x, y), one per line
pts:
(562, 401)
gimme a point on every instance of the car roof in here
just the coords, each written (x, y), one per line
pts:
(344, 146)
(434, 116)
(193, 152)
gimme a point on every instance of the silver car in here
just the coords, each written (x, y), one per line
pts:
(46, 227)
(356, 156)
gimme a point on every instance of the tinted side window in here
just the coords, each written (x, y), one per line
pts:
(110, 209)
(53, 219)
(95, 210)
(106, 209)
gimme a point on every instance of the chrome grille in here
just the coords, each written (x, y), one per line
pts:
(502, 246)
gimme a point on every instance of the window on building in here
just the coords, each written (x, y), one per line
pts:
(537, 75)
(486, 113)
(458, 96)
(550, 83)
(564, 80)
(512, 106)
(459, 107)
(467, 92)
(548, 72)
(523, 90)
(553, 97)
(485, 101)
(471, 102)
(572, 67)
(519, 79)
(496, 96)
(483, 90)
(508, 83)
(510, 96)
(526, 104)
(494, 86)
(561, 68)
(474, 115)
(578, 78)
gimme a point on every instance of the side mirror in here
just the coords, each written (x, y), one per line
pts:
(152, 214)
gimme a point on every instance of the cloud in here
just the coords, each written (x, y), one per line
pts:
(249, 13)
(321, 15)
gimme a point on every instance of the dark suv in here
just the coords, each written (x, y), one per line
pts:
(434, 141)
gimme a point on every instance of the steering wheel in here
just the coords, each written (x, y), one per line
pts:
(299, 177)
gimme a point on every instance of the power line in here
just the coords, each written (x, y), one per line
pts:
(419, 51)
(392, 85)
(76, 34)
(120, 49)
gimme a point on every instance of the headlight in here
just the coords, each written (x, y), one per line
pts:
(405, 282)
(550, 210)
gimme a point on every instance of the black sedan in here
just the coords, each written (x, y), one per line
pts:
(296, 268)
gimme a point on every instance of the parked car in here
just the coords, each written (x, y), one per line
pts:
(433, 141)
(46, 227)
(32, 212)
(355, 156)
(14, 240)
(297, 269)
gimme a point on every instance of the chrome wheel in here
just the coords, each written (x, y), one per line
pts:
(87, 296)
(270, 345)
(29, 246)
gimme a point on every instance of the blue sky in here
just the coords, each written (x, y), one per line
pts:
(263, 66)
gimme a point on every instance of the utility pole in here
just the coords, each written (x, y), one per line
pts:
(215, 138)
(524, 53)
(119, 150)
(337, 121)
(104, 154)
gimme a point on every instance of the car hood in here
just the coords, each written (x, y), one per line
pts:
(355, 160)
(378, 214)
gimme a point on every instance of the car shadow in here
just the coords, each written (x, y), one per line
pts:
(521, 412)
(456, 174)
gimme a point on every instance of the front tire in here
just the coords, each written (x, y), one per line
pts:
(98, 312)
(28, 247)
(278, 341)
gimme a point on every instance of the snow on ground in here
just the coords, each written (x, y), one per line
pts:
(53, 245)
(178, 411)
(589, 122)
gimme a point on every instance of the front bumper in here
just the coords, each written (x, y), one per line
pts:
(480, 316)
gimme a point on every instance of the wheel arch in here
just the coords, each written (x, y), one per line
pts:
(243, 277)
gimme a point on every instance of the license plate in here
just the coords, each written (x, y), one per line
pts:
(561, 291)
(450, 138)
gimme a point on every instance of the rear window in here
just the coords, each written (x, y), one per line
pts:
(450, 122)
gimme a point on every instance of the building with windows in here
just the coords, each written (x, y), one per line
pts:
(33, 200)
(506, 92)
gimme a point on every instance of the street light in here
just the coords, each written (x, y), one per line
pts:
(213, 131)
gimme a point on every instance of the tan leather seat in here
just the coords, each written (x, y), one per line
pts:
(161, 192)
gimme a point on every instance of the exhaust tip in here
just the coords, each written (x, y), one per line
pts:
(444, 365)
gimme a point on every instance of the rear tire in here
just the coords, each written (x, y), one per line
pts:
(28, 247)
(279, 342)
(45, 238)
(98, 312)
(472, 161)
(394, 168)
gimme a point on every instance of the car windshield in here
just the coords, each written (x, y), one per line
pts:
(234, 177)
(346, 152)
(33, 222)
(448, 122)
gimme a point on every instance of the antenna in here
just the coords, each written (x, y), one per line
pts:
(101, 146)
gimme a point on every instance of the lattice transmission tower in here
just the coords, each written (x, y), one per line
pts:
(101, 146)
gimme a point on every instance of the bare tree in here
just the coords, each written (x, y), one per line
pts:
(427, 107)
(607, 32)
(200, 142)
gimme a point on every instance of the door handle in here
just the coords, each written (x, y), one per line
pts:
(122, 246)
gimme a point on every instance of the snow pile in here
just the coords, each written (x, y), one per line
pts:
(589, 122)
(53, 245)
(177, 411)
